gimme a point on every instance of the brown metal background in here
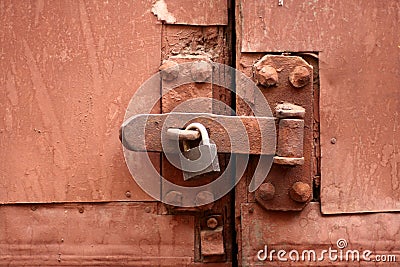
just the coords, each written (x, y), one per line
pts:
(69, 70)
(309, 229)
(115, 234)
(358, 44)
(358, 48)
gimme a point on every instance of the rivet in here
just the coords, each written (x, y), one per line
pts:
(204, 197)
(33, 208)
(266, 191)
(173, 198)
(201, 71)
(267, 76)
(147, 209)
(300, 192)
(333, 140)
(128, 194)
(169, 70)
(300, 76)
(81, 210)
(212, 223)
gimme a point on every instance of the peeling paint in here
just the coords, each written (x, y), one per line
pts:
(160, 10)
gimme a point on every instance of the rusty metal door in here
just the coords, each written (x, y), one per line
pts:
(68, 71)
(328, 69)
(351, 143)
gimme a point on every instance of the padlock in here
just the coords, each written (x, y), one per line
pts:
(201, 159)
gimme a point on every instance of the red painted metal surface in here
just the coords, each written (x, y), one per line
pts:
(311, 230)
(115, 234)
(69, 69)
(358, 46)
(68, 72)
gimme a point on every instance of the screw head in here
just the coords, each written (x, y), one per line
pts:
(212, 223)
(169, 70)
(173, 198)
(204, 197)
(267, 76)
(300, 76)
(300, 192)
(147, 209)
(201, 71)
(266, 191)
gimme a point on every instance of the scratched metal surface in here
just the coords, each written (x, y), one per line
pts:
(311, 230)
(68, 71)
(94, 235)
(358, 46)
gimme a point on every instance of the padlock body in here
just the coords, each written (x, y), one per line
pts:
(202, 159)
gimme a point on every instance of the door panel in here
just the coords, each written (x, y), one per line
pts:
(94, 235)
(358, 50)
(69, 70)
(355, 48)
(310, 230)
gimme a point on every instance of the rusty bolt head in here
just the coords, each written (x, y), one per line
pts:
(300, 76)
(212, 223)
(201, 71)
(267, 76)
(300, 192)
(169, 70)
(173, 198)
(204, 197)
(266, 191)
(147, 209)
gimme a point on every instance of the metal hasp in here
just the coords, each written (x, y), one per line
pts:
(287, 84)
(234, 128)
(291, 134)
(212, 237)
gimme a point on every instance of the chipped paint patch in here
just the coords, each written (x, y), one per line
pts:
(160, 10)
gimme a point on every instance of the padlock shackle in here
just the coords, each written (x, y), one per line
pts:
(205, 138)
